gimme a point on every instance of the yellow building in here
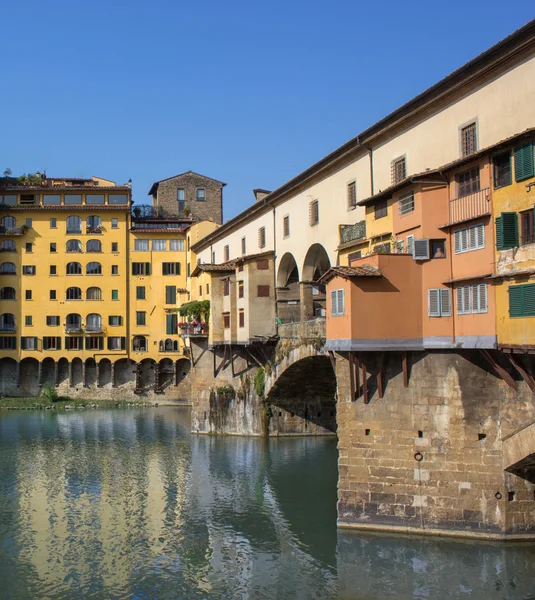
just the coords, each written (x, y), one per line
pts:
(514, 206)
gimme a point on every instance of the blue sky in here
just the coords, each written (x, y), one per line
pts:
(249, 93)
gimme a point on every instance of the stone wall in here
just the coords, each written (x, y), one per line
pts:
(429, 457)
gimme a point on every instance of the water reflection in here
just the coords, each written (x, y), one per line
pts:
(126, 504)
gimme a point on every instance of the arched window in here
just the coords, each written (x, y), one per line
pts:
(74, 224)
(7, 293)
(93, 323)
(7, 268)
(93, 293)
(73, 323)
(94, 224)
(74, 268)
(171, 345)
(74, 246)
(93, 268)
(7, 322)
(93, 246)
(9, 222)
(8, 246)
(74, 293)
(139, 343)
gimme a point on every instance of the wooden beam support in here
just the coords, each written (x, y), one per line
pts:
(232, 361)
(525, 375)
(351, 377)
(215, 367)
(405, 369)
(250, 353)
(380, 389)
(499, 369)
(357, 374)
(333, 360)
(191, 353)
(365, 383)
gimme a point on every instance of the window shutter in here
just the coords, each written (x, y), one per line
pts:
(458, 247)
(474, 292)
(473, 238)
(529, 300)
(421, 249)
(123, 343)
(147, 268)
(445, 303)
(524, 162)
(101, 343)
(482, 289)
(510, 230)
(170, 294)
(58, 343)
(499, 233)
(340, 302)
(460, 301)
(516, 306)
(178, 268)
(480, 235)
(334, 302)
(433, 303)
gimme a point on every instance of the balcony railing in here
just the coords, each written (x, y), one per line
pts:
(471, 206)
(7, 328)
(13, 230)
(350, 233)
(147, 211)
(193, 330)
(73, 328)
(94, 329)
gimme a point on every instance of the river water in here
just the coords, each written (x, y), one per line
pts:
(127, 504)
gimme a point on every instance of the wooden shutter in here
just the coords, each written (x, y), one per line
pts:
(482, 293)
(433, 303)
(480, 235)
(421, 249)
(147, 268)
(170, 294)
(472, 238)
(171, 323)
(445, 303)
(499, 233)
(263, 291)
(58, 343)
(340, 302)
(524, 162)
(177, 267)
(529, 300)
(510, 230)
(334, 303)
(460, 305)
(458, 246)
(123, 343)
(516, 306)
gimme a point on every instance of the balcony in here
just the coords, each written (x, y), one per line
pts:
(470, 207)
(13, 230)
(5, 328)
(351, 233)
(94, 329)
(73, 328)
(194, 330)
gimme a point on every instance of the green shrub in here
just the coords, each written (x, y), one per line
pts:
(49, 393)
(260, 382)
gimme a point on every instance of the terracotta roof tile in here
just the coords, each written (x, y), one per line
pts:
(350, 272)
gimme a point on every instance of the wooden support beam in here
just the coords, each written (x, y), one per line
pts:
(215, 369)
(405, 369)
(380, 390)
(523, 372)
(365, 384)
(357, 374)
(250, 353)
(191, 353)
(499, 369)
(232, 361)
(333, 360)
(351, 377)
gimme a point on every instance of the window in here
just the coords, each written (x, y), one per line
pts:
(170, 294)
(52, 321)
(139, 268)
(176, 245)
(438, 303)
(314, 213)
(7, 293)
(406, 204)
(93, 323)
(74, 342)
(352, 194)
(51, 343)
(502, 169)
(116, 343)
(7, 268)
(159, 245)
(28, 343)
(171, 323)
(438, 248)
(181, 198)
(53, 223)
(469, 238)
(337, 303)
(468, 139)
(29, 223)
(262, 237)
(506, 231)
(9, 223)
(139, 343)
(141, 245)
(207, 288)
(524, 167)
(93, 246)
(241, 289)
(200, 290)
(262, 291)
(467, 182)
(398, 169)
(243, 245)
(117, 199)
(420, 249)
(115, 246)
(28, 270)
(526, 223)
(115, 320)
(94, 342)
(522, 300)
(93, 293)
(170, 268)
(28, 320)
(226, 320)
(72, 199)
(51, 199)
(74, 246)
(74, 268)
(74, 225)
(93, 224)
(354, 256)
(53, 247)
(472, 299)
(8, 246)
(213, 258)
(140, 292)
(115, 269)
(381, 209)
(28, 294)
(74, 293)
(115, 294)
(169, 345)
(199, 194)
(8, 343)
(262, 265)
(115, 223)
(52, 294)
(94, 199)
(29, 247)
(286, 226)
(241, 318)
(73, 322)
(226, 254)
(226, 287)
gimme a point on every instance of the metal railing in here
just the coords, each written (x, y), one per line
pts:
(13, 230)
(471, 206)
(349, 233)
(147, 211)
(194, 330)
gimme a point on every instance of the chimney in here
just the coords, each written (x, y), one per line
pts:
(260, 194)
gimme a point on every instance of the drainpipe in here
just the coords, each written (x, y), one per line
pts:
(370, 153)
(450, 252)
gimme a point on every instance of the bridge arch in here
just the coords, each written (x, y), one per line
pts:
(316, 263)
(313, 300)
(288, 292)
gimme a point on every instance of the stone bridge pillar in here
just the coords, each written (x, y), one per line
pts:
(112, 374)
(306, 300)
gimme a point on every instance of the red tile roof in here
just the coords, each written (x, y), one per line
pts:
(350, 273)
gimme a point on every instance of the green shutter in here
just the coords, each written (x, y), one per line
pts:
(123, 343)
(529, 300)
(178, 268)
(58, 343)
(524, 162)
(516, 308)
(147, 268)
(510, 230)
(499, 233)
(171, 323)
(170, 294)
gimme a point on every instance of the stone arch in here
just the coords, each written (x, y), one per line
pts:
(316, 263)
(124, 372)
(288, 291)
(8, 376)
(183, 367)
(104, 373)
(90, 372)
(147, 377)
(288, 271)
(63, 371)
(29, 376)
(313, 299)
(48, 371)
(77, 377)
(167, 373)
